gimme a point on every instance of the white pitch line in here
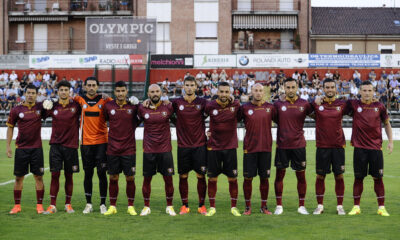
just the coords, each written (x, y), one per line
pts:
(13, 181)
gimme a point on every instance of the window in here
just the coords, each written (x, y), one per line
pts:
(244, 5)
(163, 32)
(206, 11)
(207, 30)
(159, 9)
(386, 51)
(21, 33)
(343, 51)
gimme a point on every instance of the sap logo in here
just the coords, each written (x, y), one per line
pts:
(41, 59)
(87, 59)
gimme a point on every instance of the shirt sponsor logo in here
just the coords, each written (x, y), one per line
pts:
(268, 110)
(112, 112)
(181, 107)
(55, 112)
(321, 108)
(376, 109)
(338, 108)
(84, 106)
(284, 108)
(146, 116)
(215, 112)
(359, 109)
(250, 112)
(100, 106)
(301, 109)
(21, 115)
(164, 114)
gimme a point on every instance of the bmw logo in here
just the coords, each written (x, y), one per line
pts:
(243, 60)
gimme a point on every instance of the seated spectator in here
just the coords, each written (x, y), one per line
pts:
(41, 96)
(201, 76)
(178, 87)
(13, 76)
(39, 77)
(223, 76)
(336, 75)
(346, 88)
(4, 75)
(208, 75)
(42, 90)
(304, 95)
(31, 77)
(243, 76)
(53, 76)
(374, 83)
(384, 76)
(215, 76)
(315, 76)
(244, 98)
(236, 76)
(164, 96)
(328, 74)
(397, 76)
(296, 76)
(236, 94)
(3, 101)
(357, 78)
(230, 81)
(281, 76)
(166, 86)
(186, 75)
(304, 77)
(72, 81)
(250, 84)
(381, 86)
(37, 83)
(207, 82)
(353, 90)
(24, 77)
(46, 77)
(372, 75)
(3, 83)
(207, 93)
(11, 100)
(214, 90)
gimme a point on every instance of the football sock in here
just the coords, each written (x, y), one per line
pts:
(183, 190)
(88, 185)
(247, 189)
(54, 187)
(17, 196)
(320, 190)
(212, 192)
(39, 196)
(233, 190)
(280, 174)
(201, 190)
(146, 190)
(380, 191)
(102, 186)
(264, 189)
(301, 186)
(357, 190)
(130, 191)
(339, 189)
(169, 189)
(113, 188)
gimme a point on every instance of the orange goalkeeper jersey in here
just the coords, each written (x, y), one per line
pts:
(93, 123)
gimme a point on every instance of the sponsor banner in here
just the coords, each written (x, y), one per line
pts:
(390, 60)
(272, 60)
(309, 133)
(75, 61)
(14, 61)
(120, 35)
(137, 59)
(206, 61)
(171, 61)
(344, 60)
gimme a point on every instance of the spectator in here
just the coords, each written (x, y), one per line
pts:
(304, 95)
(3, 83)
(178, 86)
(207, 93)
(5, 76)
(244, 98)
(250, 84)
(346, 87)
(39, 77)
(374, 83)
(397, 76)
(11, 100)
(164, 96)
(207, 82)
(304, 77)
(243, 77)
(186, 75)
(357, 78)
(353, 90)
(223, 76)
(328, 74)
(46, 77)
(13, 76)
(381, 86)
(166, 86)
(53, 76)
(281, 76)
(384, 75)
(214, 76)
(390, 76)
(24, 77)
(37, 83)
(214, 91)
(201, 76)
(208, 75)
(41, 96)
(372, 75)
(236, 76)
(336, 75)
(31, 77)
(315, 76)
(296, 76)
(72, 81)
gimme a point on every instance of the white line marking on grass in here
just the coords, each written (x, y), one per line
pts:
(13, 181)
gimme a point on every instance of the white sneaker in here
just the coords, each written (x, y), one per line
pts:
(278, 210)
(302, 210)
(319, 209)
(145, 211)
(170, 210)
(340, 210)
(103, 209)
(88, 208)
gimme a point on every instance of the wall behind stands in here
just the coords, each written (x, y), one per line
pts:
(309, 133)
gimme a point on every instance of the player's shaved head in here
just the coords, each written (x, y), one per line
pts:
(257, 91)
(154, 93)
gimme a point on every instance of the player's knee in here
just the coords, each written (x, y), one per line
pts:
(322, 177)
(230, 179)
(130, 178)
(213, 179)
(114, 177)
(339, 176)
(248, 179)
(200, 175)
(185, 175)
(38, 178)
(19, 180)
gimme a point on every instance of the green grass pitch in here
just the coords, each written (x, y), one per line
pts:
(290, 225)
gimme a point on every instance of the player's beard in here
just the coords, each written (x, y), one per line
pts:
(155, 99)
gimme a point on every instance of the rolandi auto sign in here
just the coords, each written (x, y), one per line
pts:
(116, 35)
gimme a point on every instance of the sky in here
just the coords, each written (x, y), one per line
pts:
(355, 3)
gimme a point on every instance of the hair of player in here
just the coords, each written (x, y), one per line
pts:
(223, 84)
(328, 80)
(92, 78)
(63, 83)
(289, 79)
(31, 86)
(189, 79)
(120, 84)
(364, 83)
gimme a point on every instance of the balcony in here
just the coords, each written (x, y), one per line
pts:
(265, 46)
(265, 7)
(69, 7)
(55, 46)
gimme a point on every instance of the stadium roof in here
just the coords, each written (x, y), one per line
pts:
(355, 21)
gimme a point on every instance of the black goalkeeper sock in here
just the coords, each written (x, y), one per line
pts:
(88, 185)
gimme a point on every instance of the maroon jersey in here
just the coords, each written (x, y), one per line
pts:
(258, 120)
(367, 124)
(223, 124)
(290, 119)
(122, 125)
(157, 133)
(65, 124)
(190, 127)
(29, 122)
(328, 119)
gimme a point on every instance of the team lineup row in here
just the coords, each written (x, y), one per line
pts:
(113, 150)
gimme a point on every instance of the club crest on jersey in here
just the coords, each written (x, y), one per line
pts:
(73, 110)
(129, 111)
(146, 116)
(338, 108)
(232, 109)
(21, 115)
(55, 112)
(284, 108)
(215, 112)
(181, 107)
(250, 112)
(198, 107)
(112, 112)
(359, 109)
(321, 108)
(84, 106)
(268, 110)
(376, 109)
(100, 106)
(301, 109)
(164, 114)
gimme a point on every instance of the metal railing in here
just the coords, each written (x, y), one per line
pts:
(264, 44)
(57, 45)
(51, 6)
(265, 5)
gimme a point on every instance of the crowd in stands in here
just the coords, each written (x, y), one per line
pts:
(310, 84)
(12, 86)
